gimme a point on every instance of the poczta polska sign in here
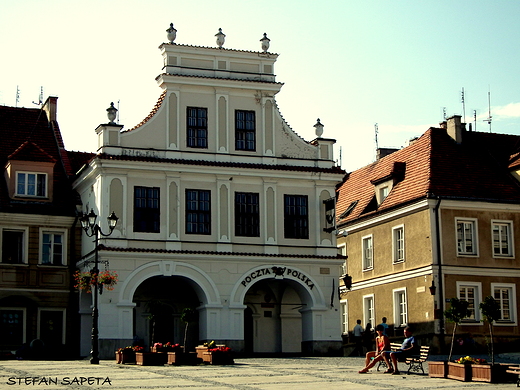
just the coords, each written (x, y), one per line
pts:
(278, 271)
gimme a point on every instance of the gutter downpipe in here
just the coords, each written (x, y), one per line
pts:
(440, 277)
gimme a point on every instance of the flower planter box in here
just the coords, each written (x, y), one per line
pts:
(490, 373)
(181, 358)
(151, 358)
(125, 357)
(438, 369)
(460, 372)
(217, 357)
(200, 350)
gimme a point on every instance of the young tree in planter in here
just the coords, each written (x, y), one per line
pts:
(188, 316)
(491, 312)
(456, 313)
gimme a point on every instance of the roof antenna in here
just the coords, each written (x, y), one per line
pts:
(376, 129)
(17, 95)
(444, 114)
(475, 118)
(463, 105)
(40, 98)
(488, 119)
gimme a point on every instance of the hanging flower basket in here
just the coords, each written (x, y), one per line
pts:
(85, 280)
(108, 279)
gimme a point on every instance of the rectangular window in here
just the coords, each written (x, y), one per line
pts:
(245, 130)
(466, 237)
(52, 248)
(470, 292)
(197, 127)
(505, 295)
(368, 310)
(51, 328)
(296, 216)
(398, 244)
(368, 252)
(342, 250)
(344, 317)
(247, 214)
(146, 210)
(400, 308)
(13, 246)
(502, 238)
(198, 212)
(31, 184)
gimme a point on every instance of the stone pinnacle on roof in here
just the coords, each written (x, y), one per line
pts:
(111, 113)
(265, 43)
(172, 34)
(319, 128)
(221, 38)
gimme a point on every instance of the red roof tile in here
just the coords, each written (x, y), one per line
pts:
(435, 165)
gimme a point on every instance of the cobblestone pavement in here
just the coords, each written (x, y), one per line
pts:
(247, 374)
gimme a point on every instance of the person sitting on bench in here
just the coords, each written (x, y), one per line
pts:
(382, 344)
(408, 348)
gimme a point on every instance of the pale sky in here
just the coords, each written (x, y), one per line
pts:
(350, 63)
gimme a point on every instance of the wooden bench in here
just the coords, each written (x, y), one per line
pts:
(393, 347)
(516, 371)
(414, 362)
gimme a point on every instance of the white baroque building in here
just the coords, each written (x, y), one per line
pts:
(223, 208)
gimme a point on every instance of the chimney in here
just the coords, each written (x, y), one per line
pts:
(50, 107)
(383, 152)
(455, 128)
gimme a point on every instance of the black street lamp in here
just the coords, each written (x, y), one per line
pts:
(92, 229)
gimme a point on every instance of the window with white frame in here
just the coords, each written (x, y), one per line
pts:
(472, 293)
(398, 244)
(466, 237)
(368, 252)
(342, 250)
(368, 310)
(31, 184)
(502, 238)
(383, 193)
(13, 245)
(400, 307)
(52, 249)
(344, 316)
(504, 294)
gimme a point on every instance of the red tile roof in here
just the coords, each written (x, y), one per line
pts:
(435, 165)
(27, 135)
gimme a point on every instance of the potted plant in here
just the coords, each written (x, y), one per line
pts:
(204, 347)
(219, 355)
(125, 355)
(107, 279)
(83, 281)
(456, 313)
(490, 310)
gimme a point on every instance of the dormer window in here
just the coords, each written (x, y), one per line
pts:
(31, 184)
(383, 193)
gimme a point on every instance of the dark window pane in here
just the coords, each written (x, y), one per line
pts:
(197, 127)
(198, 212)
(245, 130)
(247, 214)
(296, 221)
(146, 210)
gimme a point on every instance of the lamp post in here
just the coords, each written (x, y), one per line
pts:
(92, 229)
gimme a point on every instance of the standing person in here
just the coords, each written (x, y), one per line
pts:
(384, 325)
(409, 347)
(358, 338)
(368, 338)
(372, 357)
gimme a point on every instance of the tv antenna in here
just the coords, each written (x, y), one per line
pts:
(40, 98)
(444, 113)
(376, 130)
(463, 104)
(17, 95)
(475, 118)
(488, 119)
